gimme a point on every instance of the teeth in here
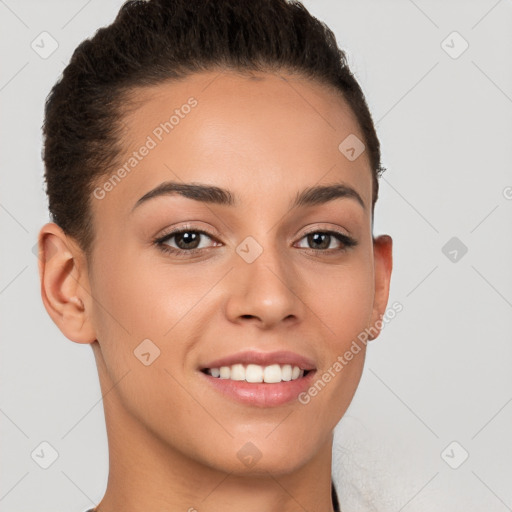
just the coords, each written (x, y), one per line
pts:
(255, 373)
(272, 373)
(286, 372)
(237, 372)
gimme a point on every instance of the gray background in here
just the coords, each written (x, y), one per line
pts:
(440, 371)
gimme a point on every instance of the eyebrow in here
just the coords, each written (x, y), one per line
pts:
(212, 194)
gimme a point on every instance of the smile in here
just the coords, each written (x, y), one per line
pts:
(259, 379)
(255, 373)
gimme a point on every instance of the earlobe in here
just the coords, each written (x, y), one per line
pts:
(64, 284)
(383, 265)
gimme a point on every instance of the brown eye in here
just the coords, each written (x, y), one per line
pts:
(319, 240)
(187, 240)
(322, 240)
(184, 242)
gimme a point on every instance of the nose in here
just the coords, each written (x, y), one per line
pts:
(264, 291)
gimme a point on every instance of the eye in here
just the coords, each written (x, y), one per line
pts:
(186, 241)
(321, 241)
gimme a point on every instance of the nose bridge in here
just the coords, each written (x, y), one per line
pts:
(262, 282)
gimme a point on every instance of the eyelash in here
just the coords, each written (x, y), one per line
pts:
(345, 240)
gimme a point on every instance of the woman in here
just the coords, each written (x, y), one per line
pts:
(212, 171)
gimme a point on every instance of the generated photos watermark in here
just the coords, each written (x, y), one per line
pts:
(354, 349)
(157, 135)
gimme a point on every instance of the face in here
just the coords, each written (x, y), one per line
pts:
(253, 276)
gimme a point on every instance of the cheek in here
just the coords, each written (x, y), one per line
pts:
(134, 308)
(344, 302)
(127, 308)
(345, 307)
(140, 299)
(345, 311)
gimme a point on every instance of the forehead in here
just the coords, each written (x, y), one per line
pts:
(254, 134)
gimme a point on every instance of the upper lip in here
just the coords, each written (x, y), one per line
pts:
(263, 359)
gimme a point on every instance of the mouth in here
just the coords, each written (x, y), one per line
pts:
(260, 379)
(255, 373)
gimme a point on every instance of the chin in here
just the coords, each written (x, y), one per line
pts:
(258, 455)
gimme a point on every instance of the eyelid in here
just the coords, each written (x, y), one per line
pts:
(186, 227)
(323, 226)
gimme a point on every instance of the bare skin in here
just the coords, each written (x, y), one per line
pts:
(174, 441)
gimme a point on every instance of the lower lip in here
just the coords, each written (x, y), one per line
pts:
(261, 394)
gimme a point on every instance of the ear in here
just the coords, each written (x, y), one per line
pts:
(64, 283)
(383, 264)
